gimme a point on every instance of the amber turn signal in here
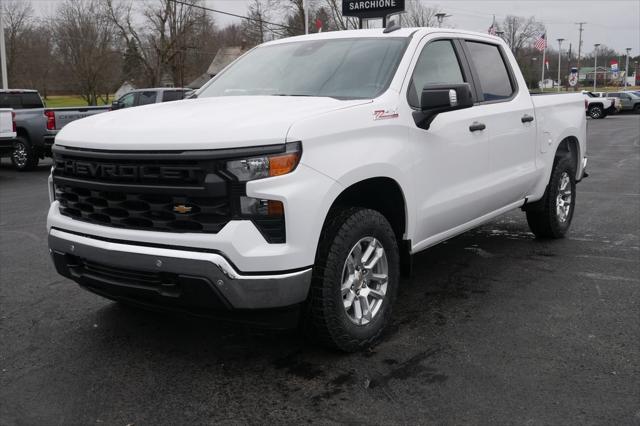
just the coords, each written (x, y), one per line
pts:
(283, 164)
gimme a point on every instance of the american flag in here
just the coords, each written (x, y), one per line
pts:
(541, 42)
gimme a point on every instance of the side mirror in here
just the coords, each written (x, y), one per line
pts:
(115, 105)
(439, 98)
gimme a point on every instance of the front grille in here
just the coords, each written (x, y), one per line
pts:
(144, 211)
(168, 192)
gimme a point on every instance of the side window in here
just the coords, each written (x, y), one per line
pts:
(10, 100)
(31, 100)
(172, 95)
(145, 98)
(437, 64)
(492, 70)
(127, 100)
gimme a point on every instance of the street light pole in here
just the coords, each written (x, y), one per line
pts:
(626, 67)
(560, 40)
(3, 52)
(595, 66)
(440, 17)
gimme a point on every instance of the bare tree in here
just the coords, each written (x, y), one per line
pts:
(338, 21)
(85, 45)
(520, 32)
(167, 37)
(419, 15)
(18, 20)
(255, 29)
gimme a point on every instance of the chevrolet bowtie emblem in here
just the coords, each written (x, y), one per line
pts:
(181, 208)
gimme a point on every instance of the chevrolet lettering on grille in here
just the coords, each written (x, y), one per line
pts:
(89, 169)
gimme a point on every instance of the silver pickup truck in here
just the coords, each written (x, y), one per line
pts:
(36, 125)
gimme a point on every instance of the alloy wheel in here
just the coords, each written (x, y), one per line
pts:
(365, 276)
(564, 198)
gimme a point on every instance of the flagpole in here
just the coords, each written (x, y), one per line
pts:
(544, 54)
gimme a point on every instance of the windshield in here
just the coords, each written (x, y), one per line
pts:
(357, 68)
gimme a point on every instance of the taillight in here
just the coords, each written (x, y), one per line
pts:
(51, 120)
(13, 121)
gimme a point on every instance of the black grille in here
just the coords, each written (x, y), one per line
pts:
(169, 191)
(157, 212)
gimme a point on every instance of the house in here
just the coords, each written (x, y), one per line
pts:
(223, 57)
(125, 88)
(547, 83)
(604, 75)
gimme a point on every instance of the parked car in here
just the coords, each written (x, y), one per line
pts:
(7, 129)
(597, 106)
(307, 173)
(629, 100)
(151, 96)
(37, 126)
(616, 102)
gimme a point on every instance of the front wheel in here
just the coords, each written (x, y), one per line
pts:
(596, 112)
(551, 216)
(23, 156)
(355, 280)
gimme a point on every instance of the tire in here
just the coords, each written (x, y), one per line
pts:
(23, 157)
(636, 109)
(349, 232)
(596, 112)
(551, 216)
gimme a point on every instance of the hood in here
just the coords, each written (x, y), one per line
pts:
(207, 123)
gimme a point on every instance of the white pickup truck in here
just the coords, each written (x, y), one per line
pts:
(305, 176)
(7, 129)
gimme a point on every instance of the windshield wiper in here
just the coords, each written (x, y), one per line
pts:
(295, 94)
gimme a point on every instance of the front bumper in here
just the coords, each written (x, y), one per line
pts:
(170, 277)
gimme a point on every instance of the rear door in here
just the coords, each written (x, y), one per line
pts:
(172, 95)
(451, 160)
(506, 108)
(146, 97)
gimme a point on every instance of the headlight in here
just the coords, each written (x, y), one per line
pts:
(267, 165)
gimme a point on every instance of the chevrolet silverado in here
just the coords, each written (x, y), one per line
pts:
(306, 174)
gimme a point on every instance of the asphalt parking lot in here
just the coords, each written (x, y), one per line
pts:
(494, 327)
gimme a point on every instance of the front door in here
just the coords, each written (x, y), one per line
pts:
(451, 159)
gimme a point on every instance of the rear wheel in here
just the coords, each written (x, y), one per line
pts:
(355, 280)
(23, 156)
(636, 109)
(551, 216)
(595, 112)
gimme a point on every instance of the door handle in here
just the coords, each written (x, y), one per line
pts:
(526, 118)
(475, 126)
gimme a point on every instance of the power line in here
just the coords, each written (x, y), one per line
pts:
(235, 15)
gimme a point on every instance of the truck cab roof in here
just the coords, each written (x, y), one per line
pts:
(379, 33)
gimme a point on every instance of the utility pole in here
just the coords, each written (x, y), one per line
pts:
(3, 51)
(579, 51)
(560, 40)
(305, 8)
(595, 66)
(626, 67)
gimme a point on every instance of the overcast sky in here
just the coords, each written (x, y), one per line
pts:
(615, 23)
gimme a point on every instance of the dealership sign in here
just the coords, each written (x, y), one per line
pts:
(371, 8)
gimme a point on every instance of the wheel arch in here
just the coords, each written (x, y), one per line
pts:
(385, 195)
(23, 132)
(570, 145)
